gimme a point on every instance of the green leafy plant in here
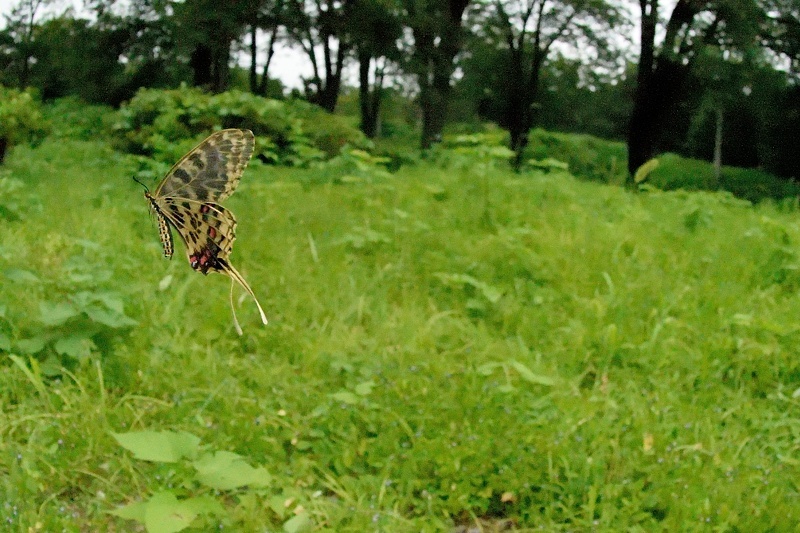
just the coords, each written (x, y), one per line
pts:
(201, 475)
(21, 119)
(166, 123)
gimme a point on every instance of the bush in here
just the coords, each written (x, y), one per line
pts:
(165, 123)
(587, 156)
(72, 117)
(21, 119)
(676, 172)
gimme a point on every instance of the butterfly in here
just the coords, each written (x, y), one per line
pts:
(187, 200)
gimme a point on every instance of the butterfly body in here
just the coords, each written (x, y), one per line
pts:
(186, 199)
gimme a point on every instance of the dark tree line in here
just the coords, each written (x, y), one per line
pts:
(722, 81)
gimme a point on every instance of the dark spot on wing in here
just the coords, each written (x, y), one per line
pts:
(182, 175)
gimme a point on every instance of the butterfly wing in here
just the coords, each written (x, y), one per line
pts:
(208, 230)
(211, 171)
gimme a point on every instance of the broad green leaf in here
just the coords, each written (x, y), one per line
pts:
(134, 511)
(529, 376)
(165, 514)
(488, 368)
(30, 346)
(365, 388)
(76, 346)
(109, 318)
(55, 314)
(225, 471)
(3, 309)
(298, 524)
(345, 397)
(21, 276)
(159, 446)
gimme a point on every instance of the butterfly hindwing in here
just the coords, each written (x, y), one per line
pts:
(208, 230)
(211, 170)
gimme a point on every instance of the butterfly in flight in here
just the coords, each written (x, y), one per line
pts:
(187, 200)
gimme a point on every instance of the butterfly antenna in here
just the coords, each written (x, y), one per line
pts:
(140, 183)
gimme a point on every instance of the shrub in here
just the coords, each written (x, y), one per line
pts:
(587, 156)
(676, 172)
(21, 119)
(164, 123)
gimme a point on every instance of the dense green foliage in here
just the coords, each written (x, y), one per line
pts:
(165, 124)
(451, 344)
(21, 118)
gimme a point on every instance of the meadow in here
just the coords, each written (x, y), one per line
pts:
(450, 346)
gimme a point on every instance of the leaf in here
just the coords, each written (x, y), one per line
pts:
(5, 342)
(365, 388)
(297, 523)
(55, 314)
(159, 446)
(644, 171)
(345, 397)
(21, 276)
(488, 368)
(110, 318)
(32, 375)
(165, 514)
(30, 346)
(77, 346)
(3, 310)
(528, 375)
(134, 511)
(226, 470)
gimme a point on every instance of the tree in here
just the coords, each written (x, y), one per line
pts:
(320, 27)
(438, 36)
(208, 29)
(525, 33)
(266, 15)
(662, 73)
(20, 27)
(375, 29)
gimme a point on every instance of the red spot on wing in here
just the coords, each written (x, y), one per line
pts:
(212, 232)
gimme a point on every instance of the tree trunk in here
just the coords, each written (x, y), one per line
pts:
(200, 63)
(435, 69)
(718, 149)
(368, 98)
(253, 56)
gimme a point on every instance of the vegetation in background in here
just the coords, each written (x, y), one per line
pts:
(21, 119)
(165, 124)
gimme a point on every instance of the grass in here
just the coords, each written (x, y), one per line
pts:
(529, 352)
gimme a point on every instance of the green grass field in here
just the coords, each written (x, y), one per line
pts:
(445, 349)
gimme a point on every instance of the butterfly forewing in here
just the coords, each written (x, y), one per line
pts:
(211, 170)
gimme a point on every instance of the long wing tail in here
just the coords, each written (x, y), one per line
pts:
(235, 276)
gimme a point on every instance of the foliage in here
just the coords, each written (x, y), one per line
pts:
(165, 123)
(74, 118)
(591, 359)
(675, 172)
(586, 156)
(21, 118)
